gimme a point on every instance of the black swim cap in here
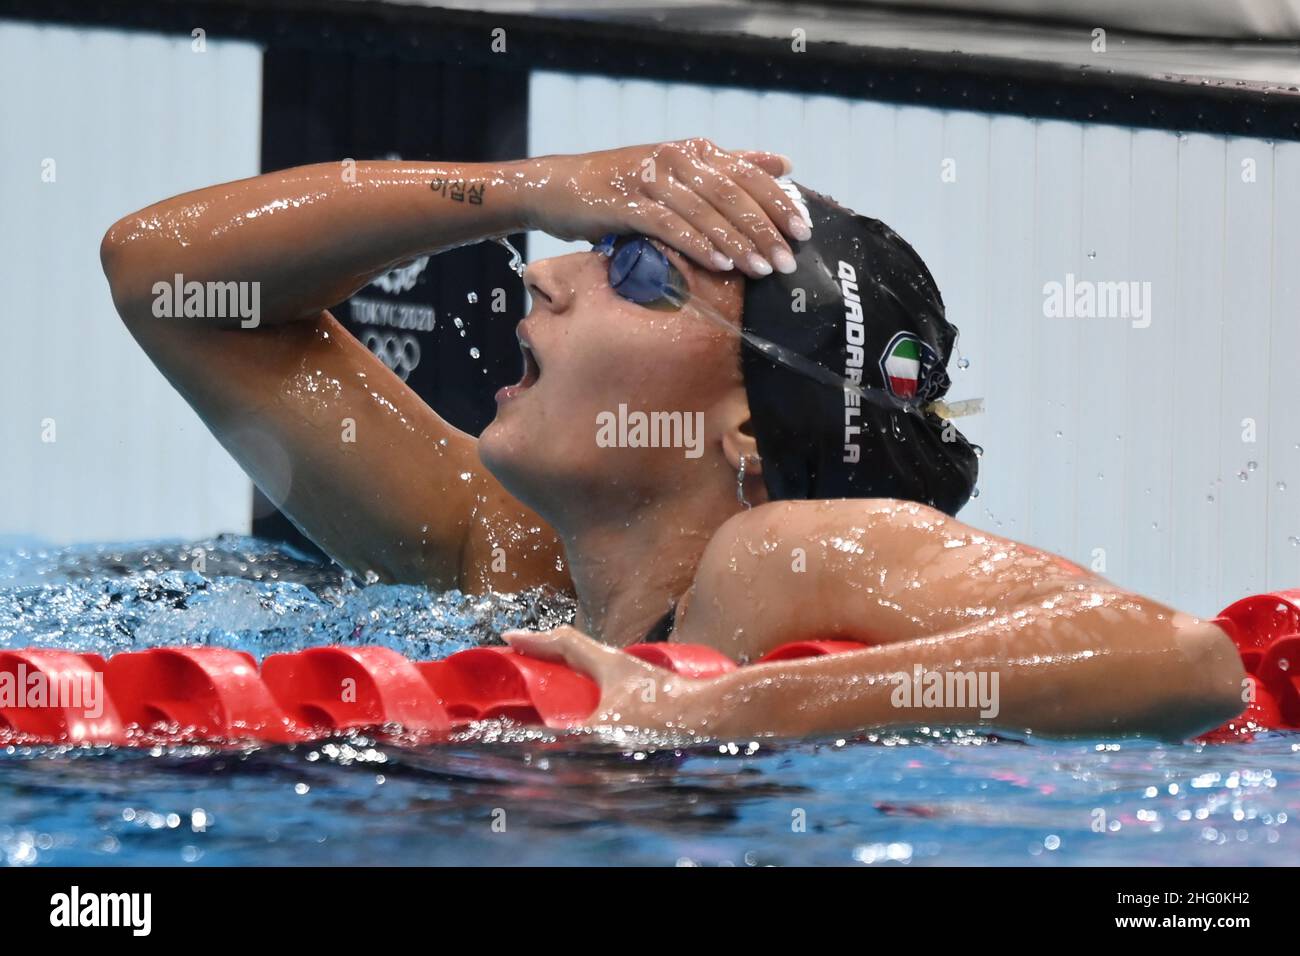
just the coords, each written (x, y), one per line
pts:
(861, 304)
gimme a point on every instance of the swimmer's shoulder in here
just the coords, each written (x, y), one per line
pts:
(793, 529)
(856, 569)
(767, 573)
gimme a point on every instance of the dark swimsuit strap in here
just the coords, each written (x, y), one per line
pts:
(663, 628)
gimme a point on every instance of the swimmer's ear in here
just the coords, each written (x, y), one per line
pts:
(737, 432)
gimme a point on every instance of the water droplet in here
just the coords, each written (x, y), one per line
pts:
(1100, 476)
(1293, 541)
(1059, 434)
(517, 264)
(457, 322)
(975, 493)
(1092, 254)
(1283, 664)
(1155, 526)
(472, 298)
(1210, 498)
(1281, 486)
(1119, 437)
(473, 353)
(979, 450)
(963, 363)
(1242, 476)
(1252, 465)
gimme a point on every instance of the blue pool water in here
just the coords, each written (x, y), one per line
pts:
(503, 795)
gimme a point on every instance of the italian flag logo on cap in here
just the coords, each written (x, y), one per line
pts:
(901, 365)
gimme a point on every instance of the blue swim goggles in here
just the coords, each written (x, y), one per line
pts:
(640, 273)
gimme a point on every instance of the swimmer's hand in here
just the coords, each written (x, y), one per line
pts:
(633, 694)
(720, 208)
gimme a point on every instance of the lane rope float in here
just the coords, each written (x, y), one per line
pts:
(179, 695)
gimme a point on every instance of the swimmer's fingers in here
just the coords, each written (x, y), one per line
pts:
(570, 647)
(732, 246)
(633, 693)
(567, 645)
(668, 225)
(747, 196)
(773, 163)
(726, 247)
(747, 235)
(785, 216)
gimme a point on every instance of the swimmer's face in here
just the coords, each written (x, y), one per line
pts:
(587, 350)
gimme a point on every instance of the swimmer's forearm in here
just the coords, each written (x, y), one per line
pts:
(312, 235)
(1099, 671)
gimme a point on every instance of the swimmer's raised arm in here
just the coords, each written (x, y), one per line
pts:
(313, 235)
(308, 236)
(351, 454)
(338, 442)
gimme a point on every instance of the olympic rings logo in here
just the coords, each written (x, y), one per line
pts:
(400, 351)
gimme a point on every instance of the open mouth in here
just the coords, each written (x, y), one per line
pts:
(532, 368)
(532, 371)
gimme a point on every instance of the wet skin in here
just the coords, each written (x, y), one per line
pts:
(536, 501)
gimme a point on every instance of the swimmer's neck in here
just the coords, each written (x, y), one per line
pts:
(630, 570)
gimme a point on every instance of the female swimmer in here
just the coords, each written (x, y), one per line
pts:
(808, 342)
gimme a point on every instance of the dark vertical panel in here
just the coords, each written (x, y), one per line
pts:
(324, 106)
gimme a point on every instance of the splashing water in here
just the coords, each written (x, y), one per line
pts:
(249, 595)
(516, 264)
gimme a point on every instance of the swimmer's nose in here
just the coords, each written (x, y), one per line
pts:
(550, 282)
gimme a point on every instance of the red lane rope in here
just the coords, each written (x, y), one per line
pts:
(217, 695)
